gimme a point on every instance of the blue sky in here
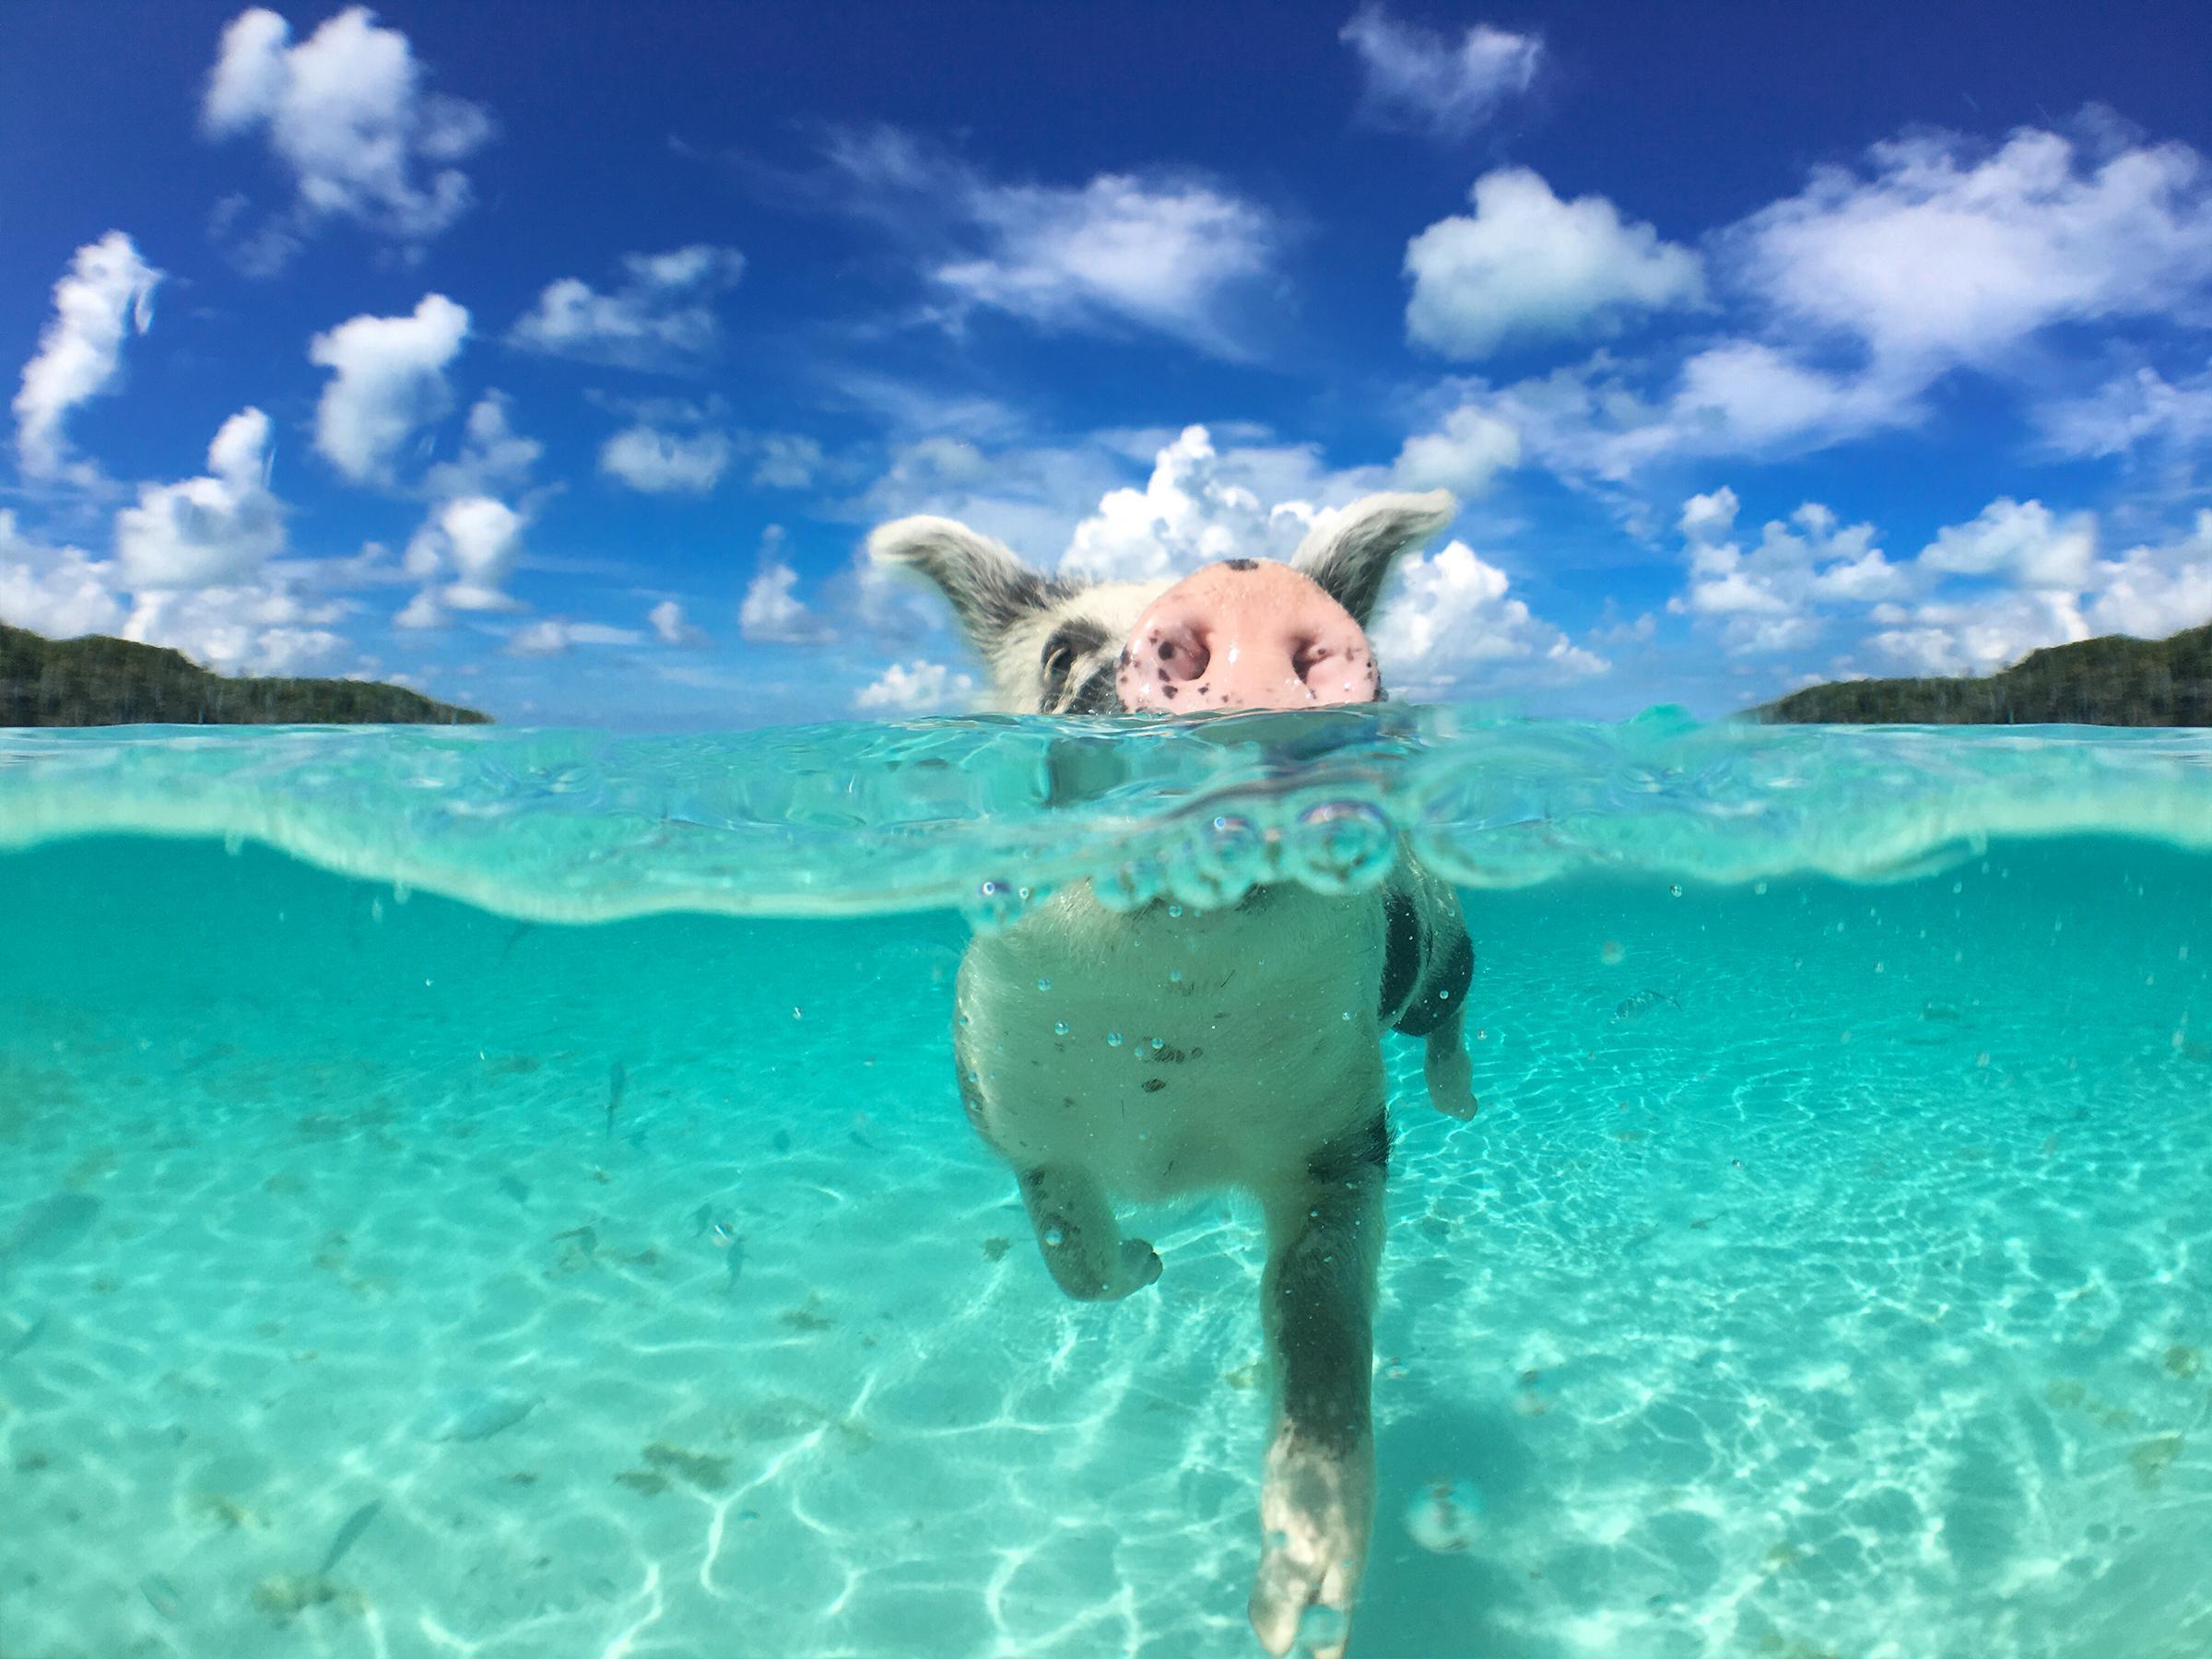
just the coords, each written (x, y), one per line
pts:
(557, 359)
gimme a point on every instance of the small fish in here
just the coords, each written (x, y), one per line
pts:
(161, 1594)
(515, 1187)
(478, 1414)
(727, 1238)
(348, 1535)
(1629, 1007)
(587, 1241)
(48, 1228)
(22, 1344)
(618, 1078)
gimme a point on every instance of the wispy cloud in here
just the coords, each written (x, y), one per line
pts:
(662, 317)
(1418, 79)
(107, 293)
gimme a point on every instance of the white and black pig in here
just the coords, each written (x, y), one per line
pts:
(1108, 1055)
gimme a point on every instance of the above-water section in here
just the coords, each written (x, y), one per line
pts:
(382, 1275)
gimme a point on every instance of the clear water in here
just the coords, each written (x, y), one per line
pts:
(1826, 1273)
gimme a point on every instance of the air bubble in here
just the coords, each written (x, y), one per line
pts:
(1044, 984)
(1175, 974)
(1054, 1237)
(1113, 1040)
(1059, 1028)
(1159, 1043)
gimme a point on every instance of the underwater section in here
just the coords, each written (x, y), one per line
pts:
(1825, 1271)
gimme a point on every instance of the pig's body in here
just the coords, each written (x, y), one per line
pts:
(1137, 1055)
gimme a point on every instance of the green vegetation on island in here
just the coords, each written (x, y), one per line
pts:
(2113, 681)
(100, 681)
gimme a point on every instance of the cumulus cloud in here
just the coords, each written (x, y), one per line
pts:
(554, 636)
(662, 317)
(387, 378)
(773, 612)
(918, 686)
(348, 116)
(1979, 596)
(1464, 455)
(267, 625)
(1529, 267)
(1451, 624)
(2024, 543)
(107, 292)
(1415, 79)
(665, 463)
(1168, 253)
(464, 553)
(1774, 596)
(670, 627)
(494, 456)
(59, 591)
(1944, 251)
(211, 531)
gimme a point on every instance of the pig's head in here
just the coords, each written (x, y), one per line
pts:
(1244, 633)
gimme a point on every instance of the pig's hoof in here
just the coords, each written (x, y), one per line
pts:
(1313, 1510)
(1451, 1082)
(1140, 1266)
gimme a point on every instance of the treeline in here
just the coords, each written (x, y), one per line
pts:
(2110, 681)
(100, 682)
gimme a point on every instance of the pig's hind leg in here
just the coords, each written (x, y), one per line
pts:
(1317, 1495)
(1081, 1242)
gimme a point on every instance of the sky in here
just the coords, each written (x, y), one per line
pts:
(557, 359)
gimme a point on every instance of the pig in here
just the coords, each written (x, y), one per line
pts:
(1109, 1055)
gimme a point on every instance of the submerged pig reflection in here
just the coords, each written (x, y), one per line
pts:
(1113, 1055)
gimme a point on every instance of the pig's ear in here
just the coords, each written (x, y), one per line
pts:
(1351, 556)
(988, 588)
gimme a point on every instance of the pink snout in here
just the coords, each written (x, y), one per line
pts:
(1251, 633)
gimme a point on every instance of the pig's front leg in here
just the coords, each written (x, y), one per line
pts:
(1317, 1497)
(1082, 1241)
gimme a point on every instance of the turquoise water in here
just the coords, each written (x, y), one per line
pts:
(505, 1194)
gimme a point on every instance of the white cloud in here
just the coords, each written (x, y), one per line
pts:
(915, 687)
(2024, 543)
(347, 113)
(1415, 78)
(107, 290)
(473, 540)
(785, 460)
(1946, 251)
(670, 627)
(1450, 624)
(2152, 592)
(664, 462)
(206, 532)
(493, 456)
(554, 636)
(1164, 251)
(387, 378)
(2128, 411)
(1529, 267)
(1464, 455)
(263, 626)
(773, 612)
(1776, 595)
(662, 317)
(59, 591)
(1978, 597)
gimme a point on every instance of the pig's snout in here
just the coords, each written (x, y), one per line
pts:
(1248, 634)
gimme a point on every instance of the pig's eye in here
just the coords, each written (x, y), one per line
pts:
(1059, 658)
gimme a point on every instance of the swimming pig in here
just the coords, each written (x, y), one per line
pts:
(1107, 1054)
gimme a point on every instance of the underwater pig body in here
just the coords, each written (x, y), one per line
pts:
(1114, 1055)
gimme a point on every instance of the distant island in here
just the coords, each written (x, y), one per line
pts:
(2110, 681)
(100, 681)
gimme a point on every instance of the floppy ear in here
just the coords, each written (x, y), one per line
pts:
(1351, 557)
(988, 588)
